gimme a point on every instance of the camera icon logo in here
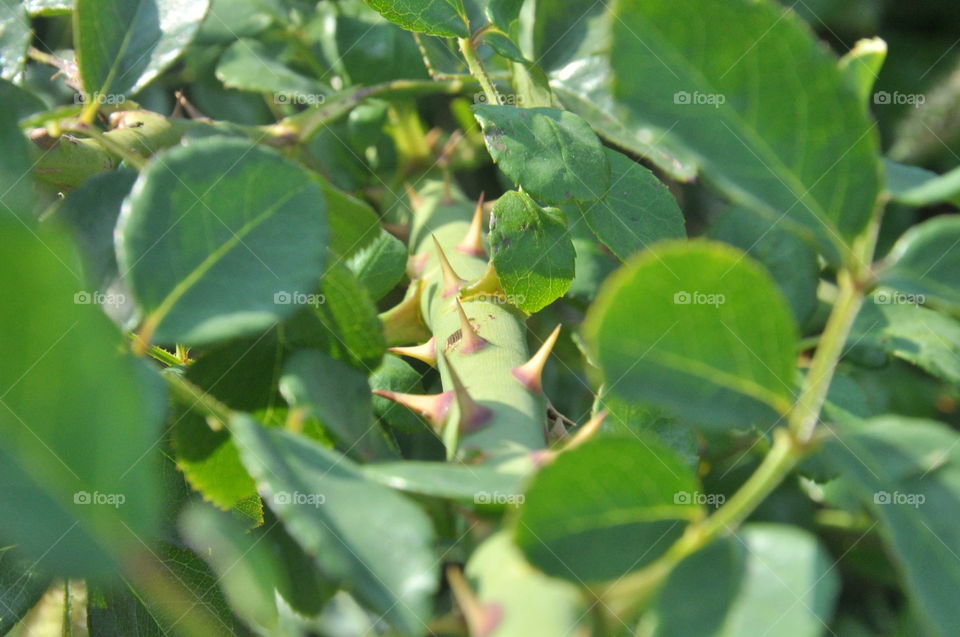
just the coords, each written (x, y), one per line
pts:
(83, 298)
(881, 497)
(683, 497)
(681, 97)
(881, 97)
(283, 298)
(681, 298)
(82, 497)
(282, 497)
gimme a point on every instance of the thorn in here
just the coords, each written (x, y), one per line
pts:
(433, 407)
(416, 199)
(403, 323)
(472, 244)
(531, 372)
(473, 415)
(586, 432)
(416, 264)
(470, 340)
(482, 619)
(451, 281)
(486, 288)
(426, 352)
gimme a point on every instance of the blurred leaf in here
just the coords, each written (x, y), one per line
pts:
(233, 262)
(795, 147)
(908, 472)
(552, 154)
(14, 38)
(433, 17)
(124, 44)
(17, 195)
(791, 262)
(532, 252)
(920, 187)
(79, 420)
(476, 484)
(337, 395)
(861, 65)
(699, 329)
(926, 261)
(767, 577)
(637, 210)
(48, 7)
(626, 510)
(376, 542)
(249, 65)
(520, 600)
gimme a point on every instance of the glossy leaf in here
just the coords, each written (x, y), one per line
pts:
(532, 251)
(767, 577)
(795, 147)
(627, 508)
(124, 44)
(212, 248)
(433, 17)
(551, 154)
(376, 542)
(637, 210)
(926, 261)
(679, 327)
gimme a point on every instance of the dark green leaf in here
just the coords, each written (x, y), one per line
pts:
(395, 374)
(113, 610)
(21, 586)
(552, 154)
(249, 65)
(697, 328)
(220, 239)
(381, 264)
(629, 505)
(532, 251)
(352, 326)
(433, 17)
(795, 147)
(926, 261)
(920, 187)
(17, 195)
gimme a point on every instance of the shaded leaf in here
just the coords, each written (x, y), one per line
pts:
(433, 17)
(926, 261)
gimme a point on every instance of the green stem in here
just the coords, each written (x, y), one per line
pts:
(477, 70)
(195, 399)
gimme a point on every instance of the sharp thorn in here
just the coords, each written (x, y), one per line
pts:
(472, 244)
(451, 281)
(433, 407)
(531, 372)
(470, 340)
(427, 352)
(473, 415)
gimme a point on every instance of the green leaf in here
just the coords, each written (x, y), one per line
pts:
(220, 239)
(926, 261)
(17, 196)
(552, 154)
(366, 48)
(14, 39)
(477, 484)
(861, 65)
(337, 395)
(433, 17)
(375, 541)
(381, 264)
(908, 472)
(114, 610)
(124, 44)
(354, 225)
(795, 147)
(79, 419)
(919, 187)
(791, 262)
(351, 323)
(928, 339)
(502, 44)
(698, 329)
(503, 13)
(767, 577)
(637, 210)
(395, 374)
(21, 586)
(249, 65)
(532, 251)
(626, 510)
(520, 600)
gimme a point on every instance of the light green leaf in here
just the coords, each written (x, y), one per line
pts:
(920, 187)
(351, 326)
(337, 395)
(631, 501)
(381, 264)
(220, 239)
(926, 261)
(124, 44)
(552, 154)
(14, 38)
(519, 600)
(79, 418)
(908, 472)
(375, 541)
(532, 251)
(791, 262)
(769, 577)
(861, 65)
(637, 210)
(699, 329)
(795, 147)
(433, 17)
(249, 65)
(891, 322)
